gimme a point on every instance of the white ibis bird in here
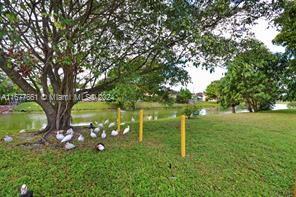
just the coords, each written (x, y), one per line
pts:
(114, 133)
(80, 138)
(133, 119)
(59, 136)
(69, 131)
(106, 121)
(100, 147)
(68, 137)
(101, 125)
(203, 112)
(126, 130)
(150, 117)
(25, 192)
(7, 139)
(104, 135)
(93, 134)
(97, 130)
(69, 146)
(112, 124)
(123, 123)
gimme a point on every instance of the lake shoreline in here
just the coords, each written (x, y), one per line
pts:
(97, 106)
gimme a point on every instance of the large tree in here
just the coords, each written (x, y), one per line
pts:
(250, 78)
(68, 47)
(230, 95)
(212, 91)
(287, 38)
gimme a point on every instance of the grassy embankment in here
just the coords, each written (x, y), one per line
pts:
(31, 107)
(248, 154)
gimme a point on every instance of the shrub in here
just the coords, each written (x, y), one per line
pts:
(191, 111)
(292, 105)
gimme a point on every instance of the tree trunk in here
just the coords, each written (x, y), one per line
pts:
(233, 108)
(58, 118)
(250, 108)
(58, 112)
(249, 105)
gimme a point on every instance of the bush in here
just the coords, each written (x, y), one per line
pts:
(183, 96)
(3, 102)
(292, 105)
(191, 111)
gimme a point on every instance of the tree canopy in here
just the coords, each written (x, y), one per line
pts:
(230, 95)
(71, 47)
(287, 38)
(250, 78)
(213, 90)
(183, 96)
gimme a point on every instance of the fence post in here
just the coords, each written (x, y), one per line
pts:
(183, 136)
(141, 115)
(118, 119)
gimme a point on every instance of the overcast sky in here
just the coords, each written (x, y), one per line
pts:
(202, 78)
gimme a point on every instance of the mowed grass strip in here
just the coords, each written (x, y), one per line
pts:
(93, 106)
(248, 154)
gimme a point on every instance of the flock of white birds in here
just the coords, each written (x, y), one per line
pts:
(68, 137)
(94, 132)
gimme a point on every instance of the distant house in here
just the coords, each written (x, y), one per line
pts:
(200, 96)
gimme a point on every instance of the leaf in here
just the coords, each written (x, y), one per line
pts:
(11, 17)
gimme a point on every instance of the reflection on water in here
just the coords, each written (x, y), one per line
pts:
(280, 106)
(35, 121)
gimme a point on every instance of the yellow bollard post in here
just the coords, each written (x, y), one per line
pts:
(141, 116)
(183, 136)
(118, 119)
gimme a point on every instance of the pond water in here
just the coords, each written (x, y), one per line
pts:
(35, 121)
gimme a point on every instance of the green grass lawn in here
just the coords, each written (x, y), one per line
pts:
(227, 155)
(31, 106)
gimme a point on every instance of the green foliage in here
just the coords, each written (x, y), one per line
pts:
(230, 96)
(148, 86)
(165, 97)
(213, 90)
(7, 88)
(125, 95)
(191, 111)
(250, 79)
(84, 39)
(287, 23)
(292, 105)
(183, 96)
